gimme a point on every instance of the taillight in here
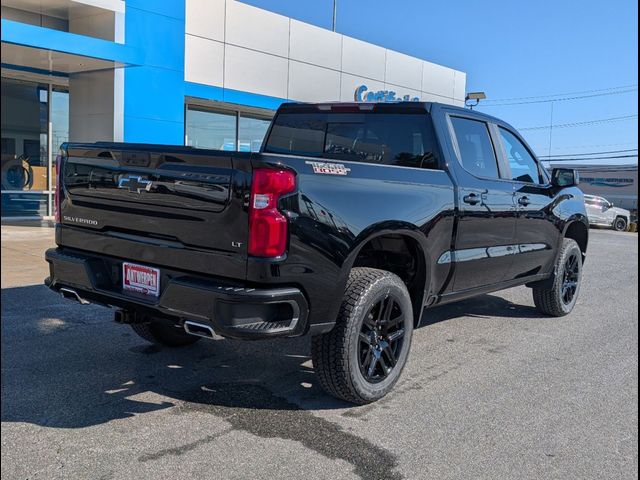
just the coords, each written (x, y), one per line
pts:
(57, 198)
(268, 227)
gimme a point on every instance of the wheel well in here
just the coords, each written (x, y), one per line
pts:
(578, 232)
(402, 255)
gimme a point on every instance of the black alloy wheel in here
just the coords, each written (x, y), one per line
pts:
(362, 357)
(570, 278)
(558, 295)
(381, 339)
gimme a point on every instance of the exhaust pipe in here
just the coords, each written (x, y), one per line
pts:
(198, 329)
(73, 295)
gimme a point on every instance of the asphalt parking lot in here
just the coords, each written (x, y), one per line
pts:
(492, 390)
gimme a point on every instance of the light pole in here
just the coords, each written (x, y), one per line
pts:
(335, 13)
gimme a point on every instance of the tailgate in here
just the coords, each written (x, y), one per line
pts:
(178, 197)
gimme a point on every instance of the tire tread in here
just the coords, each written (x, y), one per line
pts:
(547, 300)
(330, 351)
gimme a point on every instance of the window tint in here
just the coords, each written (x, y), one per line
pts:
(391, 139)
(476, 149)
(524, 168)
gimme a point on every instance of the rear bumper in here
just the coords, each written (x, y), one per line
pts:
(231, 309)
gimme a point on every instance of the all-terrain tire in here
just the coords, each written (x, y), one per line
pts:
(553, 299)
(337, 354)
(166, 335)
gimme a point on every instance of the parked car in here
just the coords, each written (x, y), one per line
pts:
(350, 221)
(603, 213)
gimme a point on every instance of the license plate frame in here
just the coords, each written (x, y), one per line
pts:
(140, 279)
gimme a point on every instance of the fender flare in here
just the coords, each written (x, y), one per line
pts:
(573, 219)
(576, 217)
(404, 229)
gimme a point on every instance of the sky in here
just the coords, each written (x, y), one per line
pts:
(513, 49)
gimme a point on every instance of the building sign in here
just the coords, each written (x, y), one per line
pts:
(607, 181)
(618, 183)
(362, 94)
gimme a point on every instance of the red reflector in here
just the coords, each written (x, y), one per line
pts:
(268, 227)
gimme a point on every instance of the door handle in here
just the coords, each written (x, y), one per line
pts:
(524, 201)
(472, 199)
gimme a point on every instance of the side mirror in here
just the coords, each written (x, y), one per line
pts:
(565, 177)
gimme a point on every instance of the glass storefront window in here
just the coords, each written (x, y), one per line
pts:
(30, 204)
(59, 126)
(251, 132)
(225, 130)
(24, 128)
(210, 129)
(24, 135)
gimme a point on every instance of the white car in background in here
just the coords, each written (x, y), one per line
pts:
(602, 213)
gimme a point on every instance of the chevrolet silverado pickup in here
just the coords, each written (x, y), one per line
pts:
(601, 212)
(349, 224)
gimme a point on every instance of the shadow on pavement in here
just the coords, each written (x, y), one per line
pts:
(70, 366)
(484, 306)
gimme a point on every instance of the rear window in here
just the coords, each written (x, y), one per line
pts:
(406, 140)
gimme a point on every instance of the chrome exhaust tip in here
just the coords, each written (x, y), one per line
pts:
(198, 329)
(70, 294)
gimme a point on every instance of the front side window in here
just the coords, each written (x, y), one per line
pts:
(406, 140)
(524, 168)
(476, 148)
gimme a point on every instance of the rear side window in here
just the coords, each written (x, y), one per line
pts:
(524, 168)
(406, 140)
(476, 148)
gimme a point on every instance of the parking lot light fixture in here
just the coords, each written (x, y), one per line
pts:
(474, 97)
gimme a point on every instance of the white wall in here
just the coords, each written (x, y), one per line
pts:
(236, 46)
(95, 106)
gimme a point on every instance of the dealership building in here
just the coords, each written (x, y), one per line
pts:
(205, 73)
(616, 183)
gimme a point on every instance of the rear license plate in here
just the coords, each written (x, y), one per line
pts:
(141, 279)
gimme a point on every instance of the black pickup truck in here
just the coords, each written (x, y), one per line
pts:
(350, 221)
